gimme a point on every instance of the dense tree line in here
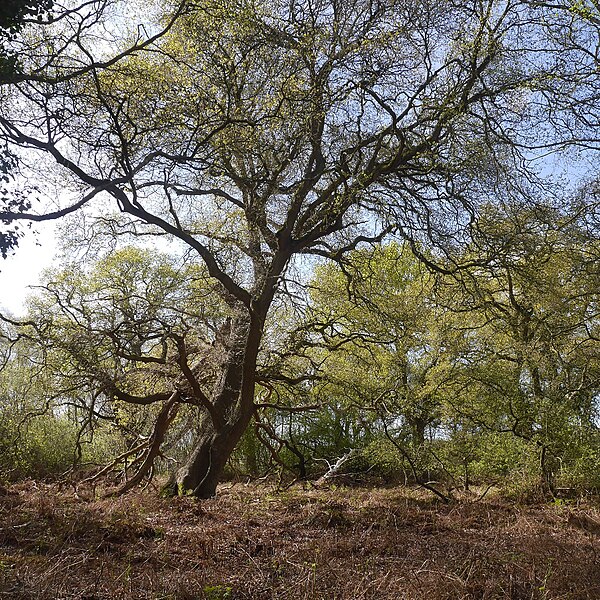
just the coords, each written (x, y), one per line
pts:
(487, 375)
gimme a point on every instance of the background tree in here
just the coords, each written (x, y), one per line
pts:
(530, 365)
(43, 434)
(113, 334)
(14, 15)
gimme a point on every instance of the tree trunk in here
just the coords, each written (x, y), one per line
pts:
(201, 474)
(418, 425)
(233, 400)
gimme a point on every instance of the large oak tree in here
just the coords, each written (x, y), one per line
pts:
(257, 132)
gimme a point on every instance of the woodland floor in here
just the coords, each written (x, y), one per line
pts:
(254, 542)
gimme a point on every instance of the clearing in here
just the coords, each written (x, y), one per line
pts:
(255, 542)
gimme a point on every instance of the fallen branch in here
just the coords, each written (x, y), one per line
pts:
(335, 468)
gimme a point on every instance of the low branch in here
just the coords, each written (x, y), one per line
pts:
(161, 426)
(290, 409)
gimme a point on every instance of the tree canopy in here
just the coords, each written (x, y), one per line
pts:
(253, 134)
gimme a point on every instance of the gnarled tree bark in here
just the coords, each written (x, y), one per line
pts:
(233, 401)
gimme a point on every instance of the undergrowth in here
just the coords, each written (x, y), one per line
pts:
(256, 543)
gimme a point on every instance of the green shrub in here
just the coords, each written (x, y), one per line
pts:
(43, 447)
